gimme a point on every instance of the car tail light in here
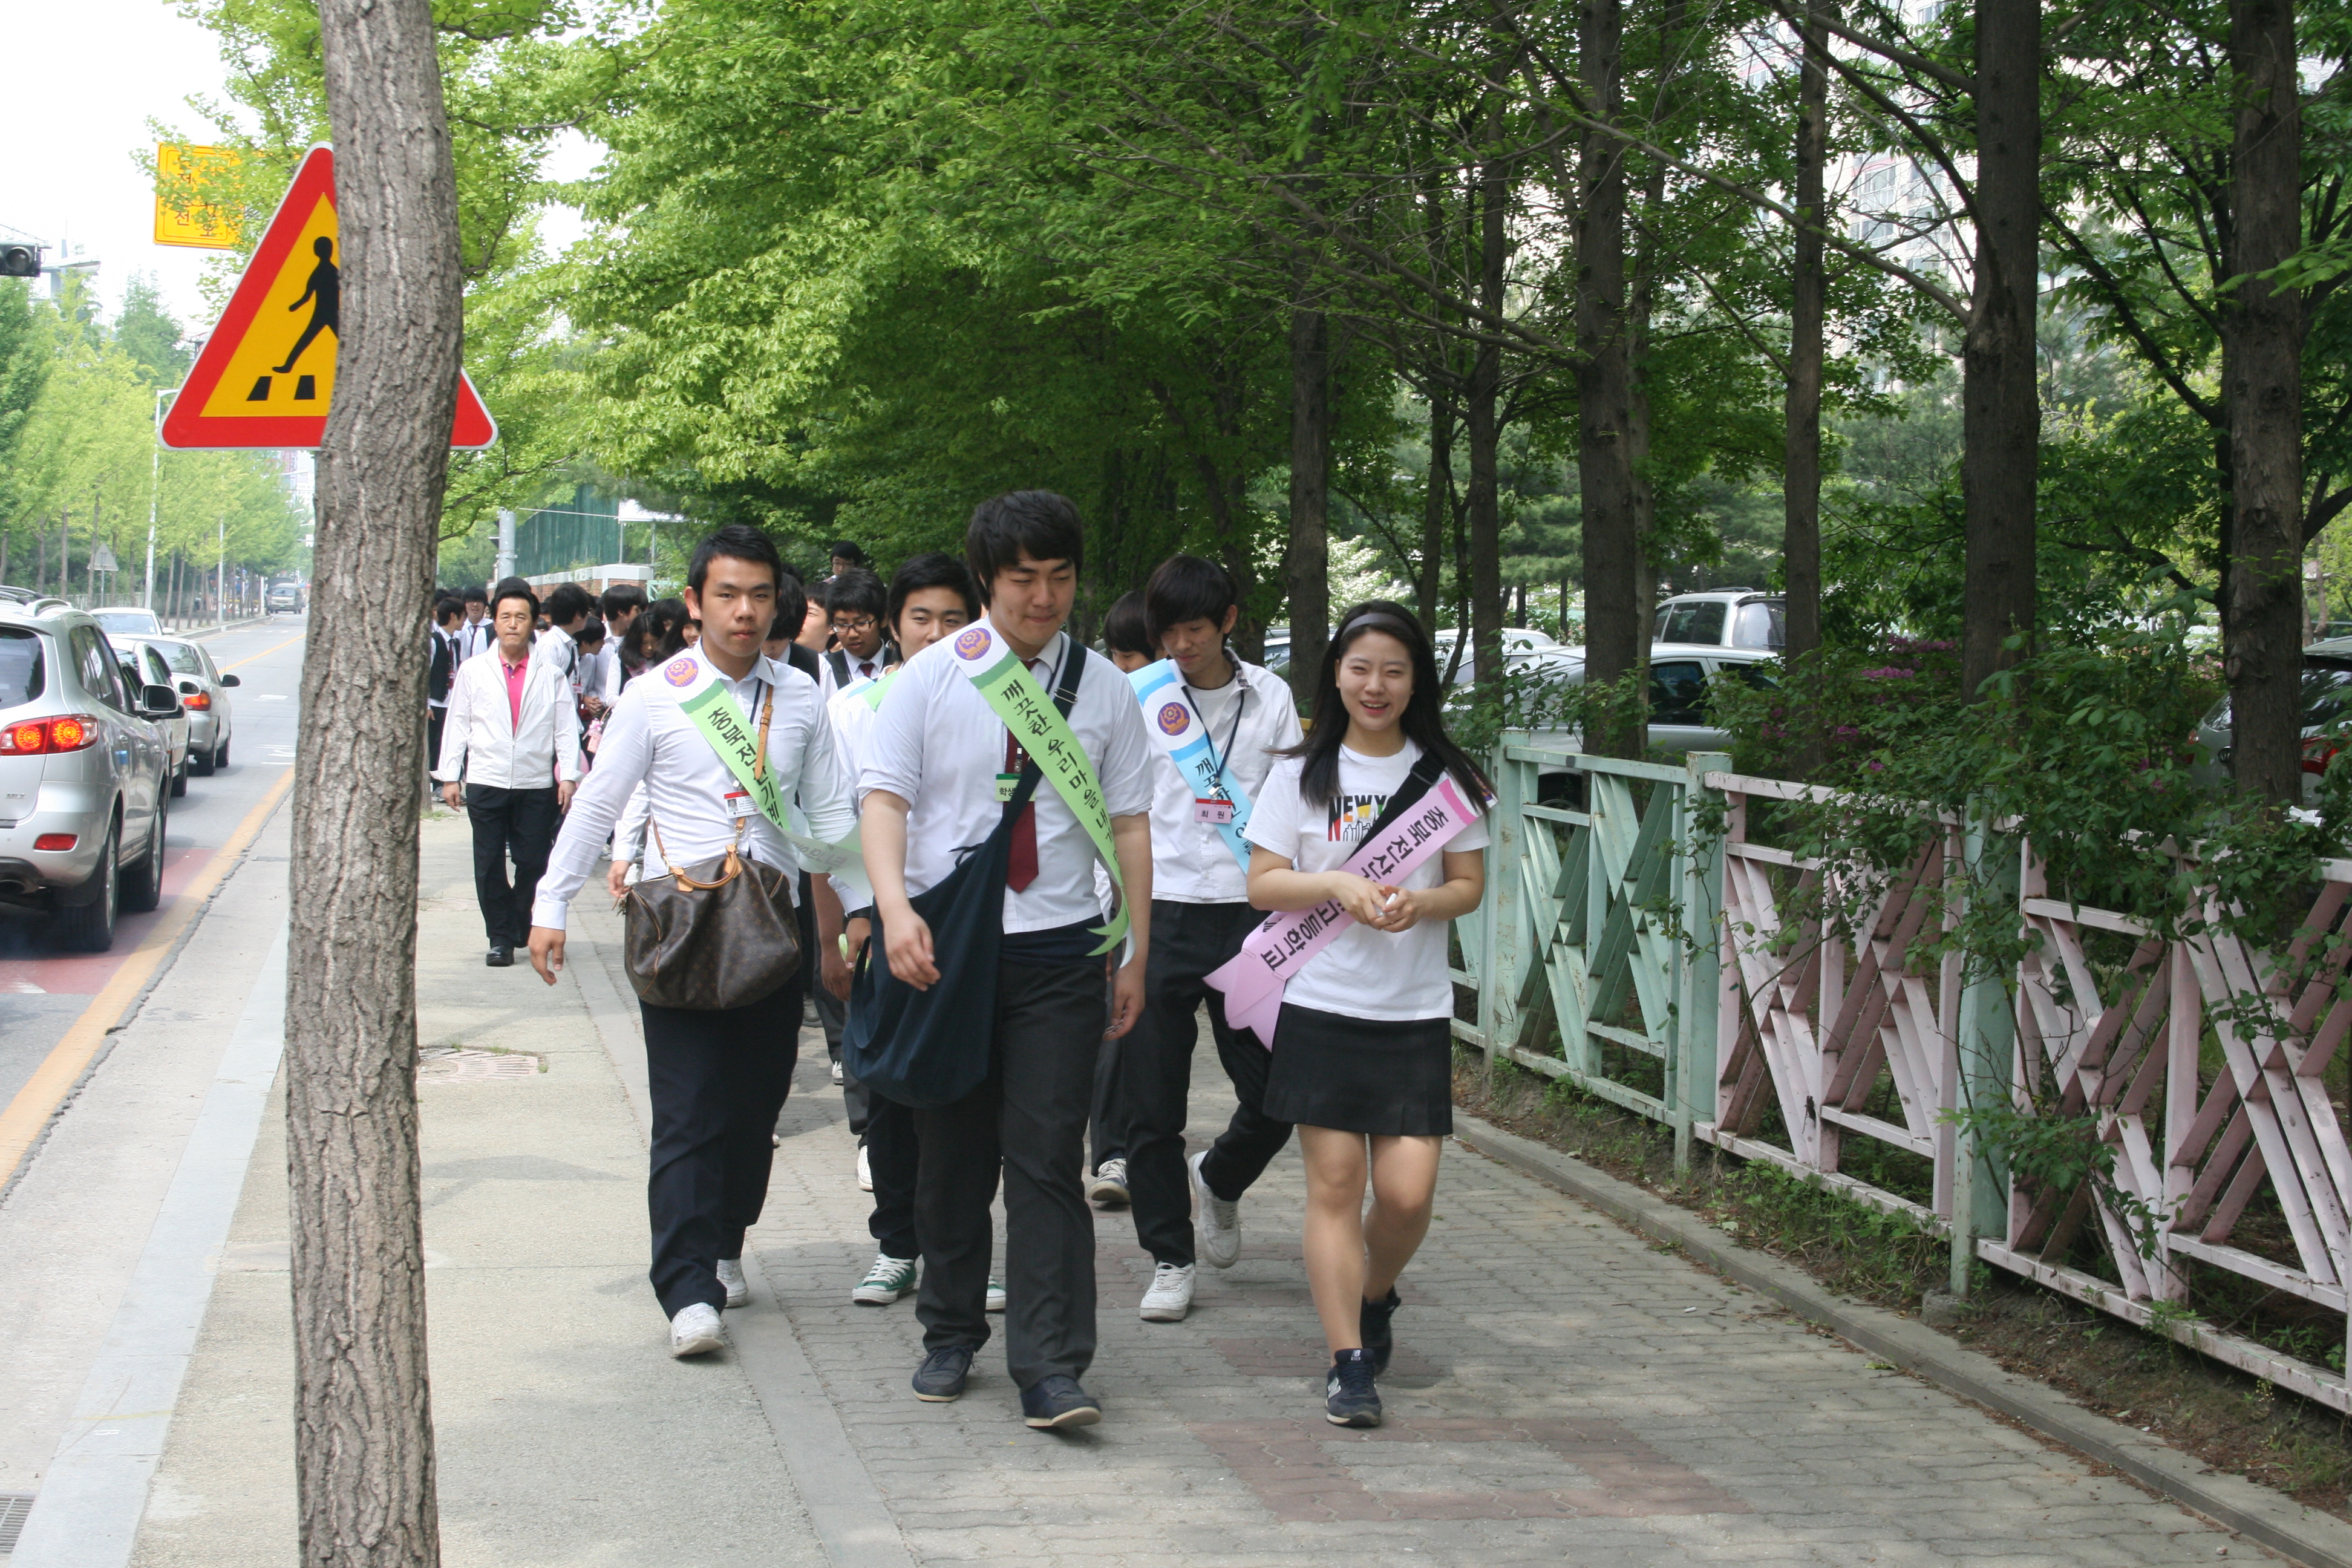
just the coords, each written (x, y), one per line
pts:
(2319, 751)
(196, 702)
(54, 841)
(38, 737)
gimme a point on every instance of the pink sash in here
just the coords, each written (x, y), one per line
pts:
(1253, 979)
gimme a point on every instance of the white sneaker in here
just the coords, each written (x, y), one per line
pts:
(1108, 1189)
(995, 1294)
(865, 1170)
(695, 1331)
(836, 1072)
(889, 1279)
(1216, 1224)
(1171, 1296)
(731, 1275)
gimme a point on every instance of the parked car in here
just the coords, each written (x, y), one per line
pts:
(284, 598)
(127, 621)
(203, 692)
(1723, 617)
(142, 666)
(2326, 701)
(84, 775)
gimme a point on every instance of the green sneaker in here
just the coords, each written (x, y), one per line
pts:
(889, 1279)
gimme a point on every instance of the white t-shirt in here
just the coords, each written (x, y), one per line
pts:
(1189, 861)
(1364, 973)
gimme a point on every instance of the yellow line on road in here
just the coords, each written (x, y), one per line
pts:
(54, 1079)
(265, 652)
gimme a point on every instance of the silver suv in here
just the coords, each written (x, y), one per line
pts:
(85, 773)
(1723, 617)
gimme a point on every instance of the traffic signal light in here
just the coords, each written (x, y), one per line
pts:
(20, 261)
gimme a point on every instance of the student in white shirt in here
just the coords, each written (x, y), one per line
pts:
(716, 1078)
(440, 674)
(477, 634)
(1363, 1049)
(510, 737)
(568, 606)
(1199, 913)
(930, 598)
(856, 607)
(931, 784)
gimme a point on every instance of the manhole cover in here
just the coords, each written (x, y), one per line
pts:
(455, 1064)
(14, 1507)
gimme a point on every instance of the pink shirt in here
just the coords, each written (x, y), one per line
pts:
(516, 674)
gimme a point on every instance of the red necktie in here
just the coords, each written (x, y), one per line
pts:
(1021, 869)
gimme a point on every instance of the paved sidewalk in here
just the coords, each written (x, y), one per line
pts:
(1562, 1391)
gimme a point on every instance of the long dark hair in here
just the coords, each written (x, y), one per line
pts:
(1423, 721)
(660, 632)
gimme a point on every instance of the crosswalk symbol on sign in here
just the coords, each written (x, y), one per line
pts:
(266, 374)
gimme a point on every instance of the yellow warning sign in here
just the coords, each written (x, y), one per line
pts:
(181, 218)
(286, 362)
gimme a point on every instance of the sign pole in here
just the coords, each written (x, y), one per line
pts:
(154, 484)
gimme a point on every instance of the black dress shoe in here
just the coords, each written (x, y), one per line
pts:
(500, 958)
(943, 1373)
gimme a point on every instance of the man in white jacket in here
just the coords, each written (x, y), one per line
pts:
(512, 737)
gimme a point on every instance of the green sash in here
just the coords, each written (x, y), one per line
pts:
(1013, 695)
(737, 743)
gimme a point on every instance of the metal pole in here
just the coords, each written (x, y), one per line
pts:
(154, 484)
(220, 576)
(506, 562)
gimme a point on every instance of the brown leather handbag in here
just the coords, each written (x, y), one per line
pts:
(717, 934)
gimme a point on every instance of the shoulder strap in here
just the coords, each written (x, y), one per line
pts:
(840, 661)
(1066, 696)
(1418, 782)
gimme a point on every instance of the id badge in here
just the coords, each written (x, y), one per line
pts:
(1005, 784)
(1215, 813)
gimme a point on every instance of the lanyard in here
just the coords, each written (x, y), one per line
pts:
(1232, 731)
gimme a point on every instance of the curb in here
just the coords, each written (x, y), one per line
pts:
(2301, 1534)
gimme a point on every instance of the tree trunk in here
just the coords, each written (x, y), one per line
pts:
(1436, 505)
(1800, 487)
(2261, 378)
(1613, 644)
(2001, 419)
(1306, 555)
(1641, 305)
(1481, 411)
(363, 1431)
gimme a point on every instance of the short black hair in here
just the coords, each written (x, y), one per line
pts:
(1125, 629)
(474, 596)
(661, 630)
(619, 599)
(791, 604)
(740, 540)
(446, 606)
(858, 591)
(514, 588)
(932, 569)
(846, 549)
(591, 630)
(1187, 588)
(568, 602)
(1038, 524)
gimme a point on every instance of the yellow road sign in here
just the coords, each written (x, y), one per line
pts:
(181, 218)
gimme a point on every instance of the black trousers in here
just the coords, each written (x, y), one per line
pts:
(1028, 1118)
(510, 824)
(1188, 940)
(435, 721)
(1107, 1112)
(717, 1080)
(894, 1157)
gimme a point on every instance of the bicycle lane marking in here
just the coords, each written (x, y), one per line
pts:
(28, 1114)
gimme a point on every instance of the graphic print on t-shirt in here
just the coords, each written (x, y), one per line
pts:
(1351, 816)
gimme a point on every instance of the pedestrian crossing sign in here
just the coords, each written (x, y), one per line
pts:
(265, 375)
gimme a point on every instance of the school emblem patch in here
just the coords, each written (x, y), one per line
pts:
(972, 643)
(1173, 717)
(679, 672)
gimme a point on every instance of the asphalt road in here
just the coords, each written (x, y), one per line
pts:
(44, 991)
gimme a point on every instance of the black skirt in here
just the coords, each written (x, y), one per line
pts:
(1387, 1077)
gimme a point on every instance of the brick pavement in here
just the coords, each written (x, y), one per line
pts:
(1564, 1391)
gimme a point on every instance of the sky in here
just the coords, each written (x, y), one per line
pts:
(74, 180)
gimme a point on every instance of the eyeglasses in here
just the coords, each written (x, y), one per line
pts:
(862, 624)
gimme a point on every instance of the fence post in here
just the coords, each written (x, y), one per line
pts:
(1501, 914)
(1987, 1037)
(1698, 998)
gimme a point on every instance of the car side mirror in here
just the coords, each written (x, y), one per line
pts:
(158, 702)
(189, 689)
(230, 680)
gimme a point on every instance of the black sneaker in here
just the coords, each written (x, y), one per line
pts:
(499, 958)
(1379, 1338)
(1057, 1402)
(1349, 1397)
(942, 1375)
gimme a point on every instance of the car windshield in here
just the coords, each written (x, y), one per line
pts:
(1700, 621)
(21, 674)
(181, 656)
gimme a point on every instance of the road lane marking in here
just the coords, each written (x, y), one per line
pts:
(22, 1123)
(265, 652)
